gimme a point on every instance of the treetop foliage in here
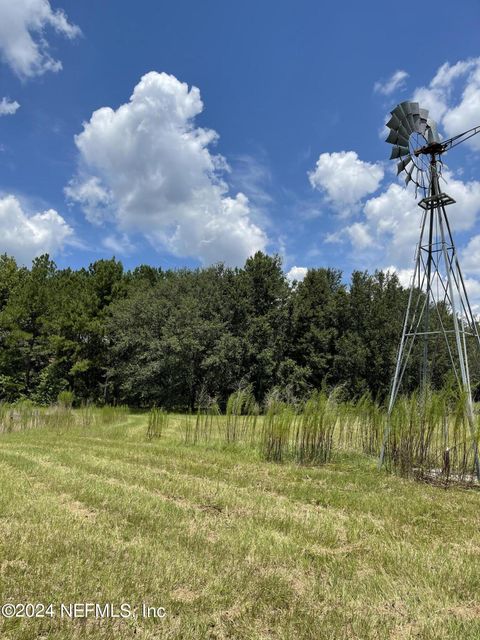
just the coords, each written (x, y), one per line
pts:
(166, 337)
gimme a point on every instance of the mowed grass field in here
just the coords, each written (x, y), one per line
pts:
(230, 546)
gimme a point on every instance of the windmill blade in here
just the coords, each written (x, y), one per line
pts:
(406, 119)
(403, 163)
(398, 152)
(425, 183)
(404, 132)
(410, 119)
(419, 178)
(394, 137)
(401, 112)
(411, 109)
(398, 128)
(432, 133)
(394, 122)
(422, 126)
(404, 106)
(408, 177)
(423, 114)
(415, 182)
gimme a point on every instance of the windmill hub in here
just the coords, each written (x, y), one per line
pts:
(433, 149)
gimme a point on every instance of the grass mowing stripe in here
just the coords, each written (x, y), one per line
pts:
(312, 554)
(328, 531)
(434, 516)
(373, 504)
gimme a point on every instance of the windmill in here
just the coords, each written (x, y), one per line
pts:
(437, 278)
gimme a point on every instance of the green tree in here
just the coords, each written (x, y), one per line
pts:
(263, 301)
(22, 320)
(318, 319)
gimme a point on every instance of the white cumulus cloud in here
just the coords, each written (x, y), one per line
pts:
(404, 275)
(396, 81)
(23, 43)
(150, 169)
(297, 273)
(360, 235)
(470, 259)
(119, 245)
(26, 236)
(390, 223)
(453, 97)
(345, 179)
(95, 198)
(8, 107)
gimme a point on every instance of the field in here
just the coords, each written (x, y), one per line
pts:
(230, 545)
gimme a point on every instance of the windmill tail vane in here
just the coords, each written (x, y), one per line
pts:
(438, 281)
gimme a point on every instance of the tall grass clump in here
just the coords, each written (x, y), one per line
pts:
(413, 423)
(188, 428)
(4, 421)
(86, 414)
(7, 418)
(109, 414)
(157, 423)
(459, 446)
(277, 429)
(25, 414)
(65, 399)
(370, 419)
(315, 427)
(241, 415)
(430, 437)
(204, 424)
(347, 425)
(206, 421)
(57, 416)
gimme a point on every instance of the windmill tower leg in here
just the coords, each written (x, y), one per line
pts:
(427, 307)
(405, 344)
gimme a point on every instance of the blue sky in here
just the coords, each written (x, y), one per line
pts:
(296, 93)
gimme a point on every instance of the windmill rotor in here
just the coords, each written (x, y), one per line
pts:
(411, 133)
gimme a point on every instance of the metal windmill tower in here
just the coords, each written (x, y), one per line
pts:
(437, 279)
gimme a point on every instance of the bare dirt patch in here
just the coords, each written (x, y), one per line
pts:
(184, 594)
(76, 507)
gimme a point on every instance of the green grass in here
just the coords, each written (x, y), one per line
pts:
(233, 547)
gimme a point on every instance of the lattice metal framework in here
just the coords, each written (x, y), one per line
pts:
(437, 281)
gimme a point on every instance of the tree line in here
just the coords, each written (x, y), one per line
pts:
(172, 337)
